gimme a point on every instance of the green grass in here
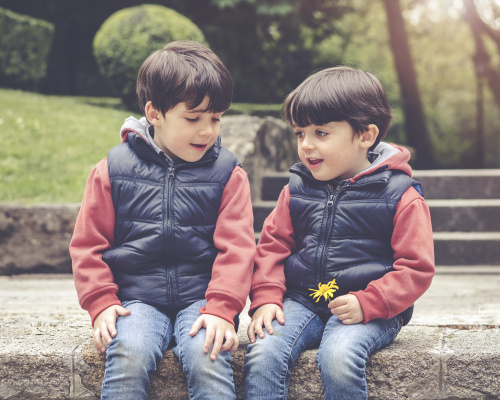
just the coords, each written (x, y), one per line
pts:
(49, 144)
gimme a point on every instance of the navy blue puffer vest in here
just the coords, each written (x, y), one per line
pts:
(165, 219)
(341, 233)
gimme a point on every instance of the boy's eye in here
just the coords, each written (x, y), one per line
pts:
(192, 119)
(299, 134)
(216, 119)
(321, 133)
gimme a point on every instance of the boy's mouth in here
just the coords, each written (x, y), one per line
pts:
(199, 147)
(314, 162)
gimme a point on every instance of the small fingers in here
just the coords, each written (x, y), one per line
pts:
(98, 344)
(236, 343)
(110, 331)
(105, 329)
(209, 338)
(268, 323)
(218, 340)
(251, 332)
(280, 316)
(196, 326)
(258, 327)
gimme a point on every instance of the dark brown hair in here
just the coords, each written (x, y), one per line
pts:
(184, 71)
(340, 94)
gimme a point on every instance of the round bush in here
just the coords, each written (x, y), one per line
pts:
(128, 36)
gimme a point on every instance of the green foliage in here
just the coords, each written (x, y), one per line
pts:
(128, 36)
(442, 50)
(276, 44)
(25, 44)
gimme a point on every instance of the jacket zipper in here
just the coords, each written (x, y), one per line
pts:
(332, 195)
(169, 231)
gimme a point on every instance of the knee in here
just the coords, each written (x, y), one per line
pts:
(133, 354)
(340, 361)
(265, 352)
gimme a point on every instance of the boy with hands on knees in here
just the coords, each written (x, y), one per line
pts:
(163, 245)
(348, 248)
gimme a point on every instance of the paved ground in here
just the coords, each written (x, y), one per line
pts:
(39, 302)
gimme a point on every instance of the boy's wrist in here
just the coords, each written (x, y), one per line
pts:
(266, 295)
(96, 306)
(222, 307)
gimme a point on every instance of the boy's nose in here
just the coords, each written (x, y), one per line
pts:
(306, 144)
(207, 130)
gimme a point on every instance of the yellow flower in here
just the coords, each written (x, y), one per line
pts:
(325, 290)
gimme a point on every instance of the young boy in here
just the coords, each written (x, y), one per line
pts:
(349, 245)
(163, 245)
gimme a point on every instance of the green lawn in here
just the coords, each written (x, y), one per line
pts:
(49, 144)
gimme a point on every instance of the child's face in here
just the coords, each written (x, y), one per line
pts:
(331, 151)
(186, 134)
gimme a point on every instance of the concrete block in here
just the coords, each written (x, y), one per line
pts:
(467, 248)
(459, 183)
(471, 365)
(481, 215)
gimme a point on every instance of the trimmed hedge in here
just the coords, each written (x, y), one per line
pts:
(129, 36)
(24, 49)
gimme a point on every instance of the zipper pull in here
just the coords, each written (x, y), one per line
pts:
(330, 201)
(170, 172)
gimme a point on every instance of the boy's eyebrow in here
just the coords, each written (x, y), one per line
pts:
(197, 110)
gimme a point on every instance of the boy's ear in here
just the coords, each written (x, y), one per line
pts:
(369, 136)
(152, 114)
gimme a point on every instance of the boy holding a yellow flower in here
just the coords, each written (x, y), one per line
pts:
(348, 248)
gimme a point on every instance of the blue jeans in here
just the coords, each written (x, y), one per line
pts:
(143, 337)
(342, 356)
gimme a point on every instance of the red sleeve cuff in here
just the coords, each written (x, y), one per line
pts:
(102, 301)
(266, 295)
(372, 304)
(222, 307)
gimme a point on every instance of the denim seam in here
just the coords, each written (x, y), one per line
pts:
(181, 355)
(394, 327)
(287, 357)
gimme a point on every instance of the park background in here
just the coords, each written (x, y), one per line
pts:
(439, 61)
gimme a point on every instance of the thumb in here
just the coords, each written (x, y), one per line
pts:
(196, 326)
(122, 312)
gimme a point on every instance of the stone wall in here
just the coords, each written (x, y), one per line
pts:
(35, 238)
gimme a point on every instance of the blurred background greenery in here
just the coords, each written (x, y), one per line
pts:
(439, 61)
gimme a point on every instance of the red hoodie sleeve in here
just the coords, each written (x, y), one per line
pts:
(235, 239)
(413, 247)
(93, 234)
(275, 245)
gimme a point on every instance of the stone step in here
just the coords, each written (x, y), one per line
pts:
(437, 184)
(481, 215)
(450, 349)
(474, 215)
(460, 183)
(467, 248)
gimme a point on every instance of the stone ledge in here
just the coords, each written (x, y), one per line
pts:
(422, 363)
(450, 350)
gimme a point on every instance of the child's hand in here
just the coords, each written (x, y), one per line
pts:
(264, 316)
(219, 332)
(347, 309)
(105, 328)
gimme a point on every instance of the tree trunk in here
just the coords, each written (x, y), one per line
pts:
(416, 130)
(482, 59)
